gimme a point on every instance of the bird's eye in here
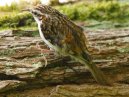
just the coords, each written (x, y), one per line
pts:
(35, 13)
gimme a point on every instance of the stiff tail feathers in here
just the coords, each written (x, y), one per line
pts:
(95, 71)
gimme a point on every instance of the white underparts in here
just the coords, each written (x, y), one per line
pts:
(42, 35)
(43, 38)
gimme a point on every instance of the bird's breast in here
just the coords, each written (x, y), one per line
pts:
(43, 37)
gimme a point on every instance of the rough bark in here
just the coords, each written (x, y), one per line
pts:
(22, 65)
(91, 91)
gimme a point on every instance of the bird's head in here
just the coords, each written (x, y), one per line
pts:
(40, 12)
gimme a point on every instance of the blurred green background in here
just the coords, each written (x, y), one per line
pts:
(88, 13)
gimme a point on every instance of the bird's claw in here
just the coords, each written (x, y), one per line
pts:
(42, 53)
(45, 59)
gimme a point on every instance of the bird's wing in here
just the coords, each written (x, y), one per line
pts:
(62, 32)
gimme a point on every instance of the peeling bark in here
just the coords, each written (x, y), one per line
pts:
(21, 61)
(91, 91)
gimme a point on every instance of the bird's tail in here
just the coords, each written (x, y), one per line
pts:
(96, 72)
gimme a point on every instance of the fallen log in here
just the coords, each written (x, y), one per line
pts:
(21, 61)
(90, 91)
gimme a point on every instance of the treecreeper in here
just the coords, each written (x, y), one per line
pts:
(65, 38)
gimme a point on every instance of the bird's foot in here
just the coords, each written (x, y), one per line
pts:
(45, 59)
(44, 52)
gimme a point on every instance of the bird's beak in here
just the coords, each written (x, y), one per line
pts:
(27, 9)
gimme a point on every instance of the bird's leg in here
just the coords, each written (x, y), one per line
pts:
(45, 59)
(42, 52)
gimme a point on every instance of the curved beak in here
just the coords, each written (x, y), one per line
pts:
(27, 9)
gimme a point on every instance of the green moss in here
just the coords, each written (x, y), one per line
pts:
(124, 50)
(112, 11)
(17, 20)
(7, 52)
(13, 7)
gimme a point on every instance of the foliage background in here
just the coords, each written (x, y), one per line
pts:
(110, 12)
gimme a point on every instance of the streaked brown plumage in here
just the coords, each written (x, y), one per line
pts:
(65, 37)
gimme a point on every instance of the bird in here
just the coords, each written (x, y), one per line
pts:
(65, 37)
